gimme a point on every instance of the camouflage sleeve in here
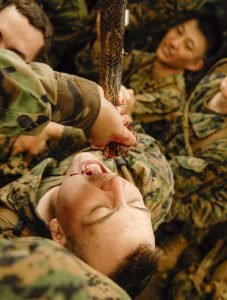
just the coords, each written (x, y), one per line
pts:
(153, 177)
(66, 16)
(72, 140)
(33, 95)
(146, 12)
(200, 198)
(50, 272)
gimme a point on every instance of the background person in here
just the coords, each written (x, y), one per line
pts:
(25, 29)
(158, 79)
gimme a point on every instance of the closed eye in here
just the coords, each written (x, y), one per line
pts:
(18, 53)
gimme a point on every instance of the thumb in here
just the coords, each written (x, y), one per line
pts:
(127, 137)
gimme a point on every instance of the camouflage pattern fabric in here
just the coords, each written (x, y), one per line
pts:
(70, 20)
(145, 12)
(19, 198)
(201, 273)
(32, 95)
(156, 99)
(66, 16)
(200, 180)
(37, 268)
(15, 166)
(199, 206)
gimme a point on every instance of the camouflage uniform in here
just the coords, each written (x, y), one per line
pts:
(197, 149)
(200, 179)
(202, 272)
(156, 99)
(147, 11)
(14, 166)
(19, 198)
(36, 268)
(70, 23)
(32, 95)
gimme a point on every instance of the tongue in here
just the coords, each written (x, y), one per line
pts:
(92, 170)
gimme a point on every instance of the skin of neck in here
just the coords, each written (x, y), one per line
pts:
(160, 69)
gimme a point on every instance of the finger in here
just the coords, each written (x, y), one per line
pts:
(127, 137)
(126, 119)
(121, 109)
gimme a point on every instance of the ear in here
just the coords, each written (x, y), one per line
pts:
(57, 233)
(196, 65)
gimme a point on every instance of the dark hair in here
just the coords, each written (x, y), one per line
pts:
(37, 18)
(136, 270)
(209, 25)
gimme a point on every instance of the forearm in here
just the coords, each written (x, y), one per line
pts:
(33, 95)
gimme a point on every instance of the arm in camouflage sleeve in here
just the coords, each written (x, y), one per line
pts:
(33, 95)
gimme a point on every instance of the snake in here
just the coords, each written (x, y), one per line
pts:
(112, 29)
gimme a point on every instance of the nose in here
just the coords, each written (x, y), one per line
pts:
(114, 187)
(176, 42)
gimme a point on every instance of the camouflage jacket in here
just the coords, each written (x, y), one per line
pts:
(50, 272)
(145, 12)
(156, 99)
(32, 95)
(70, 21)
(201, 272)
(14, 166)
(19, 198)
(200, 177)
(66, 16)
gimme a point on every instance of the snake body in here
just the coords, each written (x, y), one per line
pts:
(112, 27)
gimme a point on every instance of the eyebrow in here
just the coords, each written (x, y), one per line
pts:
(100, 220)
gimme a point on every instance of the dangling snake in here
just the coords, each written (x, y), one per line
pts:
(112, 28)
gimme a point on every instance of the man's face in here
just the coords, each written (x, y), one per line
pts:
(103, 213)
(183, 47)
(18, 35)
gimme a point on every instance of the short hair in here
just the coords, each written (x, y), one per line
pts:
(37, 18)
(209, 25)
(134, 272)
(137, 269)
